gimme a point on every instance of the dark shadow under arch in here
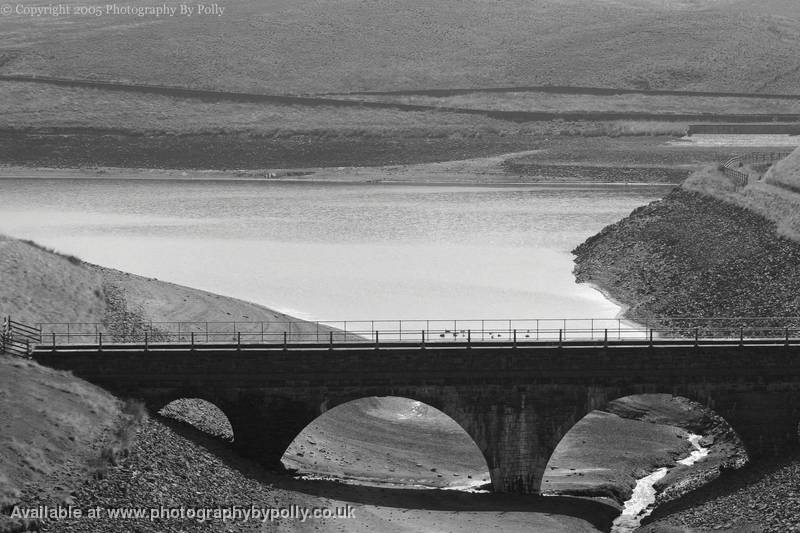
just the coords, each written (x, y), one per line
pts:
(388, 441)
(201, 414)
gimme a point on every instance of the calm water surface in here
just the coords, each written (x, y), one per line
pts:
(335, 251)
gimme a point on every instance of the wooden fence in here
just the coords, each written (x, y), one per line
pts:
(731, 165)
(18, 338)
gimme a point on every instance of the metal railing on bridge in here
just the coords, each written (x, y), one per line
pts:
(387, 333)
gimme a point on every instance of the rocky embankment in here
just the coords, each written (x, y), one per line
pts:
(764, 497)
(692, 255)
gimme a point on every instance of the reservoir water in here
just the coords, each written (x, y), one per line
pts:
(336, 251)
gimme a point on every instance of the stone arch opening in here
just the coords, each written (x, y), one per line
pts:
(200, 414)
(388, 441)
(607, 451)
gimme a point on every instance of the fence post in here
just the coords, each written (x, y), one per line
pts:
(330, 340)
(238, 340)
(192, 335)
(560, 334)
(100, 341)
(605, 338)
(787, 335)
(741, 335)
(146, 345)
(422, 346)
(377, 339)
(469, 338)
(54, 341)
(651, 337)
(285, 338)
(515, 338)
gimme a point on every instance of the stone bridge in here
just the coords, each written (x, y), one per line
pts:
(515, 402)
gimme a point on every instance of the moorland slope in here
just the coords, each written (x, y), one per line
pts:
(311, 46)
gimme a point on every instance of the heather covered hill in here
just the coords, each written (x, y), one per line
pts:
(312, 46)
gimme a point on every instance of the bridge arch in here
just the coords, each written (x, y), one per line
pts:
(204, 415)
(388, 440)
(612, 446)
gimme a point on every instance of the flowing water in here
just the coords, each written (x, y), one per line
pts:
(641, 502)
(335, 251)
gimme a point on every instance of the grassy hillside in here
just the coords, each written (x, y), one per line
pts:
(49, 419)
(776, 196)
(40, 285)
(308, 46)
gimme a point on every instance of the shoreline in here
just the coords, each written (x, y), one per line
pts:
(479, 173)
(623, 307)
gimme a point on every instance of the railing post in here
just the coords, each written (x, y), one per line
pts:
(469, 339)
(605, 338)
(651, 337)
(100, 341)
(377, 339)
(787, 336)
(192, 336)
(238, 340)
(422, 346)
(560, 335)
(741, 335)
(330, 340)
(515, 338)
(285, 340)
(146, 345)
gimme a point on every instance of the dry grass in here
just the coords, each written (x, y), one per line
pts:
(42, 286)
(776, 197)
(47, 418)
(119, 445)
(311, 46)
